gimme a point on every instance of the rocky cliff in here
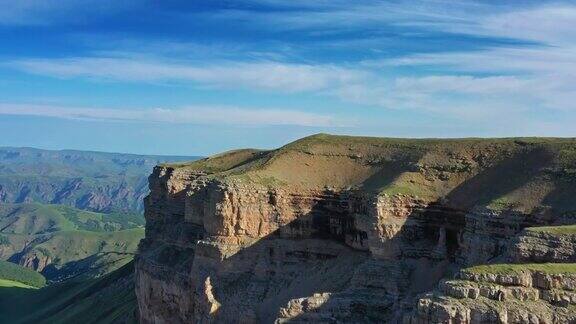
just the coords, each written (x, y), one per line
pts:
(349, 229)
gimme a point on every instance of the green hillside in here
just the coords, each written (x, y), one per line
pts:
(10, 272)
(35, 218)
(63, 242)
(85, 253)
(108, 299)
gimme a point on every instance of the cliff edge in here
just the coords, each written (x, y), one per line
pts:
(332, 229)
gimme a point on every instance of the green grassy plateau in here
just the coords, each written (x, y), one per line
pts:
(560, 230)
(501, 174)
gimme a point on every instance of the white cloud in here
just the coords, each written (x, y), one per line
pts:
(549, 24)
(210, 115)
(541, 77)
(521, 77)
(497, 60)
(465, 97)
(462, 84)
(259, 75)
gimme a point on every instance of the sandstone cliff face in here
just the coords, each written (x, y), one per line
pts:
(231, 245)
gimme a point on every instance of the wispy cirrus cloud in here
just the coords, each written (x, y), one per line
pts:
(204, 115)
(503, 60)
(277, 76)
(321, 17)
(467, 97)
(551, 22)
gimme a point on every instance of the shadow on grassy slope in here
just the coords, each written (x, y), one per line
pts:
(109, 299)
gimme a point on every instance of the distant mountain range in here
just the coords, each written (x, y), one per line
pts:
(72, 213)
(96, 181)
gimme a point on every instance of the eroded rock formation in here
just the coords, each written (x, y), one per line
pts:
(336, 229)
(525, 296)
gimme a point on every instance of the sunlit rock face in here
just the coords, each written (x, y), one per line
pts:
(331, 229)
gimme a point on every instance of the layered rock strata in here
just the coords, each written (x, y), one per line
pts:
(539, 245)
(526, 297)
(331, 229)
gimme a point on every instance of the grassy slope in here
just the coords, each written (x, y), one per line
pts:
(13, 284)
(75, 245)
(35, 218)
(108, 299)
(10, 272)
(507, 173)
(506, 268)
(85, 253)
(76, 242)
(559, 230)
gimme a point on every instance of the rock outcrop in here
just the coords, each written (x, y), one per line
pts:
(545, 244)
(336, 229)
(524, 296)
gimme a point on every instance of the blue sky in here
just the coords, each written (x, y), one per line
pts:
(199, 77)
